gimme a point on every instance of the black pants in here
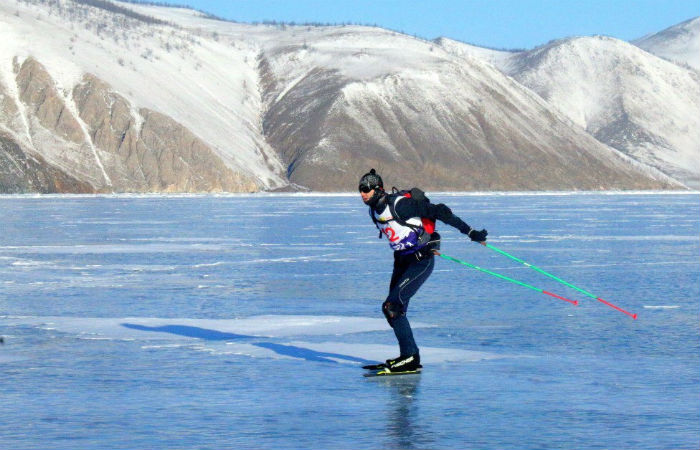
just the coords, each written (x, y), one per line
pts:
(409, 275)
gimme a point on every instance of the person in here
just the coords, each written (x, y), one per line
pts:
(405, 221)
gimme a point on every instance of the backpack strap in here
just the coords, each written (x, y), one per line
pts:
(376, 222)
(393, 198)
(396, 217)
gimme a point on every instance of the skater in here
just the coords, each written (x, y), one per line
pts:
(407, 220)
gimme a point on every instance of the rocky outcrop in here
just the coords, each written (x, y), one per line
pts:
(52, 130)
(146, 151)
(95, 135)
(22, 173)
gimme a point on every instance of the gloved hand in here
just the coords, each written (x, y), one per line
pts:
(478, 236)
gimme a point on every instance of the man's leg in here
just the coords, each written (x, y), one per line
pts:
(396, 304)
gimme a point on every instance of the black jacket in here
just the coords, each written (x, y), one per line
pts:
(408, 207)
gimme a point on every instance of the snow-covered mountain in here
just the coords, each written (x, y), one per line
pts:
(149, 106)
(627, 98)
(679, 43)
(358, 97)
(102, 96)
(498, 58)
(642, 105)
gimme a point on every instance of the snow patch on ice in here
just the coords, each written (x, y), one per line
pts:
(256, 337)
(149, 328)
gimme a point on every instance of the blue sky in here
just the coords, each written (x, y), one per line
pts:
(491, 23)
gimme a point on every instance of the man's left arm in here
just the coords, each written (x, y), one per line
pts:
(444, 214)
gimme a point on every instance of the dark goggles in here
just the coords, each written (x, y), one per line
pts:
(365, 189)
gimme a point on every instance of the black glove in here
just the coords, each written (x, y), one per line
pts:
(477, 236)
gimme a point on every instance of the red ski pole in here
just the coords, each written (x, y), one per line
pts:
(503, 277)
(605, 302)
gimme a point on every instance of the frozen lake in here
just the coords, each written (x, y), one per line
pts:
(241, 322)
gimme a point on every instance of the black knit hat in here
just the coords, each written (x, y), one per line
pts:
(371, 180)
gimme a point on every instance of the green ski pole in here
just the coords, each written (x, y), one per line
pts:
(503, 277)
(543, 272)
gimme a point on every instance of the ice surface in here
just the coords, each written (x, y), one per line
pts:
(241, 322)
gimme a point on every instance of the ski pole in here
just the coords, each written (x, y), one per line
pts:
(583, 291)
(503, 277)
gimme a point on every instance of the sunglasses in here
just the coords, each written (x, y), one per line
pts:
(365, 189)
